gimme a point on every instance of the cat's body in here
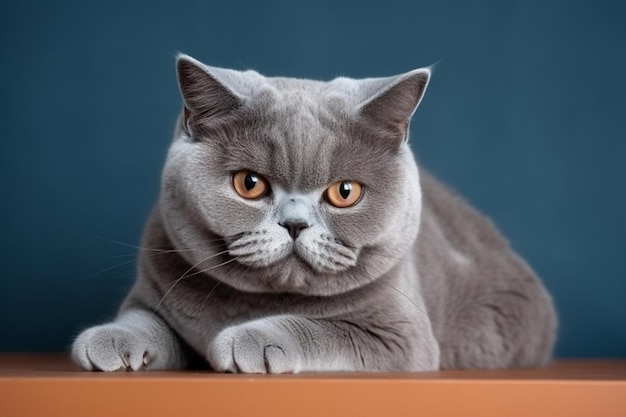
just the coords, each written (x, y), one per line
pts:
(294, 233)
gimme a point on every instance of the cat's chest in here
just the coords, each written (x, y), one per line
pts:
(212, 305)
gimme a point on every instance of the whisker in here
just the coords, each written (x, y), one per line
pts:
(354, 248)
(155, 252)
(409, 299)
(110, 268)
(126, 255)
(128, 245)
(234, 268)
(217, 284)
(187, 275)
(147, 249)
(202, 271)
(214, 266)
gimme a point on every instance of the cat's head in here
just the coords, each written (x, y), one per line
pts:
(288, 185)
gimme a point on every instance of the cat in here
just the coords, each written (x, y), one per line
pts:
(295, 233)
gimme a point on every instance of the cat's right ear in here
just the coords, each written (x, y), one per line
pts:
(204, 95)
(390, 103)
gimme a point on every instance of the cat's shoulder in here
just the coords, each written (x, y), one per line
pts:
(454, 215)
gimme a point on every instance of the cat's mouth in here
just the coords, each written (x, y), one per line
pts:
(319, 254)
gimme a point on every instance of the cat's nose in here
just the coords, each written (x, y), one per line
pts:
(294, 227)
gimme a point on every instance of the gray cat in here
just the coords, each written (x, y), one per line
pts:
(294, 234)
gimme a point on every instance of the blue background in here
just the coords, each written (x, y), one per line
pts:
(524, 116)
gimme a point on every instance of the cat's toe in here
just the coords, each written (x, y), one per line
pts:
(110, 348)
(220, 354)
(237, 350)
(276, 362)
(244, 349)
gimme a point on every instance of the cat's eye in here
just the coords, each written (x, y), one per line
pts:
(250, 185)
(344, 194)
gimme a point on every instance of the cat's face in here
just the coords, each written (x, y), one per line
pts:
(290, 185)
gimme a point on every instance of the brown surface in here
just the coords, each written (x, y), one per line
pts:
(50, 385)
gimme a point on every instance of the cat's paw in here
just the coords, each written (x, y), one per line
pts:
(112, 347)
(256, 347)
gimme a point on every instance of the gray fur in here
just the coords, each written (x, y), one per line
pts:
(411, 278)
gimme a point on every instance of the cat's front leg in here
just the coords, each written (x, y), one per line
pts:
(136, 340)
(291, 344)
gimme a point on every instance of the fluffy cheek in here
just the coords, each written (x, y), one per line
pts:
(228, 216)
(205, 198)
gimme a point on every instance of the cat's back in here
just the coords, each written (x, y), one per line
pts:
(454, 219)
(472, 279)
(456, 242)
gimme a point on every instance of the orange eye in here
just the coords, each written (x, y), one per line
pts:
(250, 185)
(344, 194)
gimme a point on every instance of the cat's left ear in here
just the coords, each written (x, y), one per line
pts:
(392, 101)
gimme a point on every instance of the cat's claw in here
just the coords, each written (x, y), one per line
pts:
(253, 348)
(111, 347)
